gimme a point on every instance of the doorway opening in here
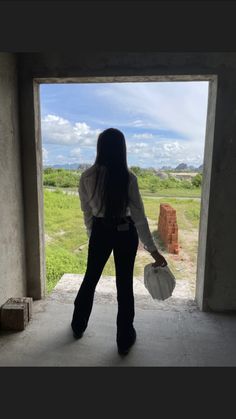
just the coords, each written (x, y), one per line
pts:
(169, 142)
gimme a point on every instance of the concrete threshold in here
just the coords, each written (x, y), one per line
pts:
(169, 333)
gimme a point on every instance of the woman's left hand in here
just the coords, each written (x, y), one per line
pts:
(159, 259)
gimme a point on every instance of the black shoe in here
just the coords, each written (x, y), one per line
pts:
(124, 345)
(77, 333)
(123, 351)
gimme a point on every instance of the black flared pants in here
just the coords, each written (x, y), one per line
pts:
(122, 238)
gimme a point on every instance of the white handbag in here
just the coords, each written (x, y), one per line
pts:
(159, 281)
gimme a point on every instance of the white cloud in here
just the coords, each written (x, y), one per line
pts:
(174, 147)
(81, 129)
(45, 155)
(144, 136)
(60, 157)
(179, 107)
(138, 123)
(75, 152)
(162, 153)
(64, 159)
(57, 130)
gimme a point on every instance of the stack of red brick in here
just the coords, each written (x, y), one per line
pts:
(168, 228)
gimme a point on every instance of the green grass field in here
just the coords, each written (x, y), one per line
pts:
(66, 238)
(173, 192)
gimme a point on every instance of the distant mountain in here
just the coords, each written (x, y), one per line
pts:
(166, 168)
(72, 166)
(69, 166)
(183, 167)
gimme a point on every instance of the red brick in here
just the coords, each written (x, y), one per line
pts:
(168, 228)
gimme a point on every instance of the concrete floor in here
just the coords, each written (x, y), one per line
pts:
(171, 333)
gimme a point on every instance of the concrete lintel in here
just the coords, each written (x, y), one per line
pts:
(126, 79)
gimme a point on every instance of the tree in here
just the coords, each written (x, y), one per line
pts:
(48, 170)
(197, 180)
(136, 170)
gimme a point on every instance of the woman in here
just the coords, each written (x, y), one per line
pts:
(115, 220)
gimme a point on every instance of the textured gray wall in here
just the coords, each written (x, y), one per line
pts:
(12, 255)
(220, 268)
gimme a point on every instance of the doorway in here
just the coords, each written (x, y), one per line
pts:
(195, 212)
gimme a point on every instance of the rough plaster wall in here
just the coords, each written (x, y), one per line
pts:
(203, 226)
(12, 257)
(220, 289)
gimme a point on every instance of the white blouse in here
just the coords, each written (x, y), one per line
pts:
(135, 207)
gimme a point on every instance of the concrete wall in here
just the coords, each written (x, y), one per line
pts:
(33, 187)
(12, 254)
(220, 267)
(216, 273)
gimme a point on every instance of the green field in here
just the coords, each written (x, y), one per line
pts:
(147, 179)
(173, 192)
(67, 242)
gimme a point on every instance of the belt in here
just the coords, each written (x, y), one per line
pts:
(114, 220)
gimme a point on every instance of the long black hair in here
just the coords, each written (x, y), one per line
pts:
(112, 173)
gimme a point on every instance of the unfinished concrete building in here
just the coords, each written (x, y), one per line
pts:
(22, 255)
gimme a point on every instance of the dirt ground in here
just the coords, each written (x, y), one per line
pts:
(183, 265)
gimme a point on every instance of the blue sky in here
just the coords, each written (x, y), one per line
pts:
(163, 123)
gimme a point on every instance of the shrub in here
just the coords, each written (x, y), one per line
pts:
(61, 178)
(136, 170)
(48, 170)
(197, 180)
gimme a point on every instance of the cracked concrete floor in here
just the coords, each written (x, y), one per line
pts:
(169, 333)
